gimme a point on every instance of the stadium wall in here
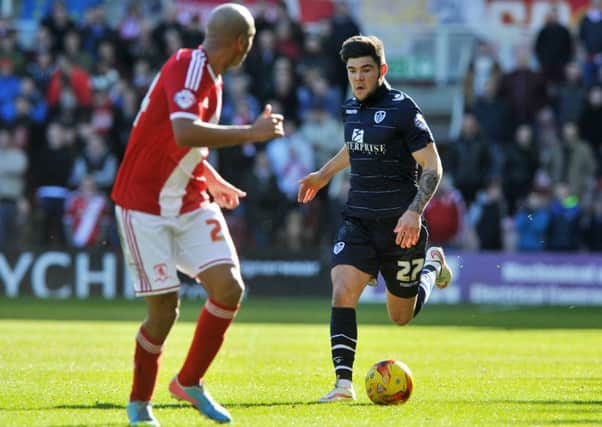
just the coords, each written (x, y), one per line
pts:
(480, 278)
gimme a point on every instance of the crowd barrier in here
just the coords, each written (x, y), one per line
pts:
(479, 277)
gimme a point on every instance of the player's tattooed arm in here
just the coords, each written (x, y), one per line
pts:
(428, 159)
(426, 188)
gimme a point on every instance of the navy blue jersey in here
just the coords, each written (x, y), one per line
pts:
(381, 134)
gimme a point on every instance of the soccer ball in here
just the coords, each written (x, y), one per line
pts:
(389, 383)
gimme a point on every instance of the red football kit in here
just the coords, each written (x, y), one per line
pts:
(157, 176)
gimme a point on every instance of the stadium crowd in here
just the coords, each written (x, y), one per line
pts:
(524, 173)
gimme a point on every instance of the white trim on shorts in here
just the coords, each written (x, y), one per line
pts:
(156, 247)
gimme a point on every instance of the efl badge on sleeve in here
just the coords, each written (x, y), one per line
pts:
(184, 99)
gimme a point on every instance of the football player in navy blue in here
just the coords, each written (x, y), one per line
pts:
(395, 170)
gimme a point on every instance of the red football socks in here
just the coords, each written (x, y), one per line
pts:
(208, 338)
(146, 366)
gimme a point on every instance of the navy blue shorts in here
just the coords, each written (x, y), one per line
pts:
(369, 245)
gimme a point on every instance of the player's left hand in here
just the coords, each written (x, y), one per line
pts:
(225, 194)
(407, 230)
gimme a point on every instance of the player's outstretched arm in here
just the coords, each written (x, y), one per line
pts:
(195, 133)
(310, 184)
(225, 194)
(408, 226)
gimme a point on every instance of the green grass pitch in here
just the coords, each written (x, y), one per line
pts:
(68, 363)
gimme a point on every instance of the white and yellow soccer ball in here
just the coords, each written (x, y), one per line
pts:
(389, 382)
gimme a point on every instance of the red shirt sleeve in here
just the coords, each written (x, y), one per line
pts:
(181, 82)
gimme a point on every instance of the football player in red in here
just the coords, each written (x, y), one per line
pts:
(167, 219)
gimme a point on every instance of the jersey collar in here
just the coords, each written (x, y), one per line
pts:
(377, 95)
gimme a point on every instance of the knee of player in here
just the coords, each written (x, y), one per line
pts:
(234, 289)
(400, 319)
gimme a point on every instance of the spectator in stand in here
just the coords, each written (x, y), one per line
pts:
(521, 161)
(314, 58)
(554, 48)
(58, 23)
(564, 229)
(470, 159)
(107, 70)
(444, 215)
(13, 166)
(131, 25)
(87, 215)
(291, 158)
(590, 36)
(52, 168)
(169, 21)
(237, 91)
(105, 118)
(193, 33)
(43, 42)
(96, 161)
(173, 42)
(10, 49)
(323, 132)
(286, 43)
(573, 162)
(317, 90)
(143, 76)
(546, 135)
(68, 74)
(487, 215)
(95, 30)
(531, 223)
(590, 124)
(523, 89)
(10, 86)
(593, 225)
(146, 50)
(265, 206)
(339, 28)
(260, 64)
(483, 68)
(284, 87)
(41, 70)
(288, 32)
(74, 52)
(493, 114)
(571, 95)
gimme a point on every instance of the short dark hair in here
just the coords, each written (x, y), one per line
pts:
(358, 46)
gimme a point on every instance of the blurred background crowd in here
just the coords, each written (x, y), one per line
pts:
(523, 172)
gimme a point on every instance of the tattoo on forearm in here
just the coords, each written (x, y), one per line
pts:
(426, 188)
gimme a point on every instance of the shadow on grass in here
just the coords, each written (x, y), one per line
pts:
(112, 406)
(309, 311)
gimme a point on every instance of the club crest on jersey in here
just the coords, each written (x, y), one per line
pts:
(357, 135)
(184, 99)
(379, 116)
(338, 247)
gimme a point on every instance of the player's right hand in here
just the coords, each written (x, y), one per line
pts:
(268, 125)
(309, 186)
